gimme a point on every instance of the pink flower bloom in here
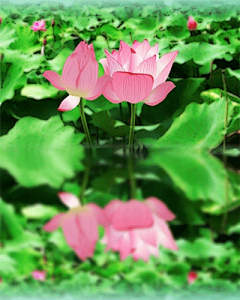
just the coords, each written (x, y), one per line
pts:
(191, 24)
(138, 73)
(39, 275)
(138, 228)
(39, 26)
(79, 77)
(79, 224)
(192, 276)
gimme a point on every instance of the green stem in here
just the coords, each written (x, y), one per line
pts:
(226, 110)
(132, 178)
(132, 125)
(85, 182)
(84, 122)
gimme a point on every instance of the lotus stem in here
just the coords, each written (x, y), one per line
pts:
(85, 182)
(84, 122)
(132, 178)
(132, 126)
(226, 109)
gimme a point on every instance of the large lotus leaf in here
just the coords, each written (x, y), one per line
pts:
(198, 175)
(235, 73)
(200, 126)
(111, 32)
(100, 104)
(41, 152)
(201, 53)
(27, 40)
(39, 91)
(88, 23)
(8, 216)
(10, 82)
(214, 94)
(192, 215)
(186, 91)
(25, 61)
(57, 63)
(7, 36)
(232, 82)
(105, 121)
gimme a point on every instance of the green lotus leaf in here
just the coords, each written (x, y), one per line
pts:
(200, 126)
(39, 152)
(39, 91)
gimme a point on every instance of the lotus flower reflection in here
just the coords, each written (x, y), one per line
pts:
(79, 224)
(138, 228)
(138, 74)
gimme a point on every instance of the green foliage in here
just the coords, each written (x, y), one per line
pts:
(200, 126)
(53, 152)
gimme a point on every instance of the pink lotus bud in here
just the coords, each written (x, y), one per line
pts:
(138, 228)
(79, 224)
(192, 276)
(53, 22)
(0, 20)
(44, 42)
(39, 275)
(79, 77)
(39, 26)
(191, 24)
(138, 74)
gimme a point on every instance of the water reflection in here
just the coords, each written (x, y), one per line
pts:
(146, 205)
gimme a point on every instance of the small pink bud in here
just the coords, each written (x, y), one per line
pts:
(192, 276)
(191, 24)
(0, 20)
(53, 22)
(44, 42)
(39, 275)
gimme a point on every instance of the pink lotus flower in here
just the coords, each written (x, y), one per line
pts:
(192, 276)
(138, 228)
(39, 26)
(79, 77)
(191, 24)
(138, 73)
(79, 224)
(39, 275)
